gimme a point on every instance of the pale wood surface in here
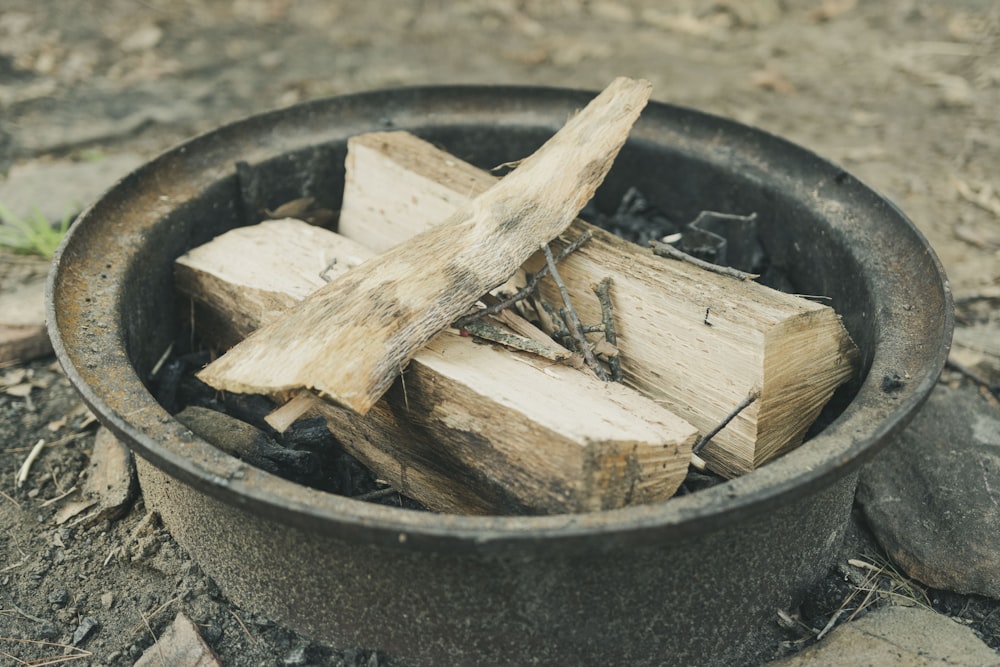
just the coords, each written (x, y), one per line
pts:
(794, 350)
(350, 339)
(469, 428)
(22, 324)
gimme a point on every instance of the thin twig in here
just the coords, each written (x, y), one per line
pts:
(162, 360)
(402, 383)
(525, 291)
(670, 252)
(137, 627)
(80, 653)
(55, 443)
(750, 398)
(829, 624)
(243, 625)
(156, 641)
(59, 497)
(491, 332)
(572, 319)
(27, 615)
(16, 504)
(603, 292)
(22, 473)
(14, 566)
(55, 479)
(375, 495)
(556, 325)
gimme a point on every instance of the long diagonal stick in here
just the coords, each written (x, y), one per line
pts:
(349, 340)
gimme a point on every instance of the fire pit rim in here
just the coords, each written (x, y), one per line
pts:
(200, 465)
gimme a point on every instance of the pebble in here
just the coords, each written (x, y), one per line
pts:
(180, 644)
(88, 625)
(898, 636)
(296, 657)
(108, 600)
(932, 498)
(48, 631)
(58, 597)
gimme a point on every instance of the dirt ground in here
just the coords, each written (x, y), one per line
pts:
(903, 93)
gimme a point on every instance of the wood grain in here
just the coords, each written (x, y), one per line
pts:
(469, 428)
(795, 351)
(350, 339)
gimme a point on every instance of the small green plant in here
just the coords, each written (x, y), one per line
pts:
(31, 235)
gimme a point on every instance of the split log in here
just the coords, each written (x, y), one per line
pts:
(22, 324)
(350, 339)
(697, 341)
(469, 428)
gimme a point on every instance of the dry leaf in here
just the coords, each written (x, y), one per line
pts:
(831, 9)
(70, 510)
(13, 377)
(19, 390)
(769, 79)
(57, 424)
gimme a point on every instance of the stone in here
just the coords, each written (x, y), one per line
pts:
(87, 626)
(48, 631)
(898, 636)
(180, 644)
(297, 656)
(58, 597)
(932, 498)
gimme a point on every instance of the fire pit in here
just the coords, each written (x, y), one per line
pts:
(693, 580)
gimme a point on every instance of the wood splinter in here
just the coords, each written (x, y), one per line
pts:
(348, 340)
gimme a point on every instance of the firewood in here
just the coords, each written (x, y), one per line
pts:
(22, 324)
(469, 428)
(350, 339)
(695, 340)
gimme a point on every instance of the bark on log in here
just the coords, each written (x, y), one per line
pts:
(350, 339)
(469, 428)
(697, 341)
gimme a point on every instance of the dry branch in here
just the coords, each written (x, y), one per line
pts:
(350, 339)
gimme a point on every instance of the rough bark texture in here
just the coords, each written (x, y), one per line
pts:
(695, 340)
(468, 428)
(350, 339)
